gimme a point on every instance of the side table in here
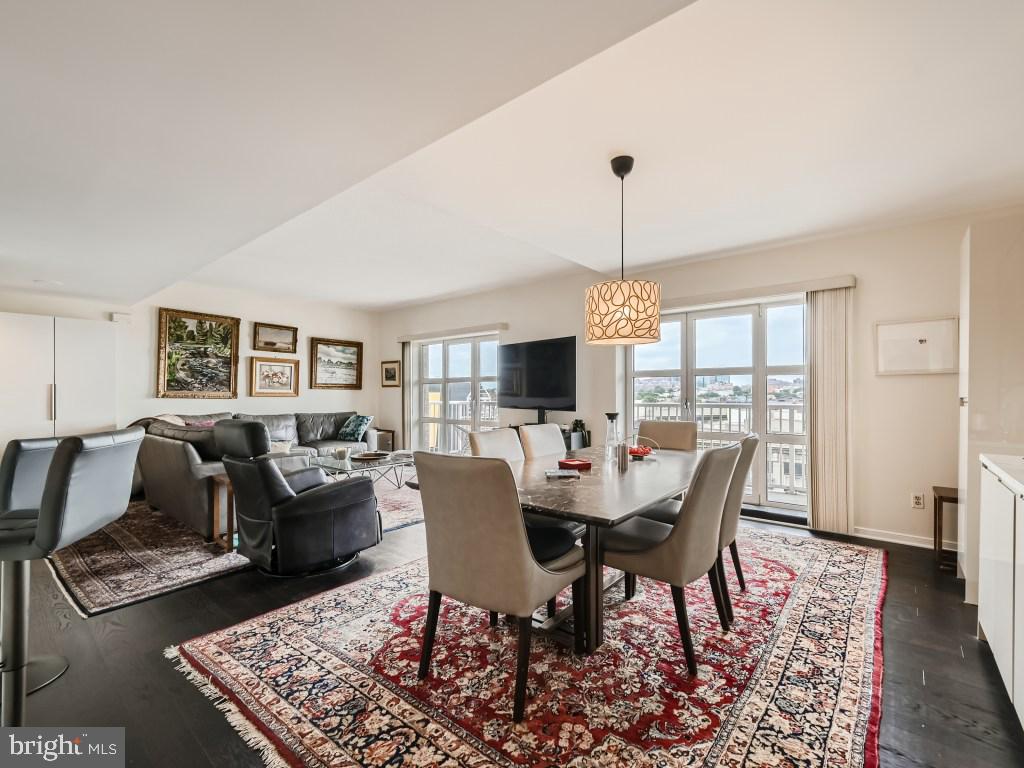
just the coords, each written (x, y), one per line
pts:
(943, 495)
(227, 507)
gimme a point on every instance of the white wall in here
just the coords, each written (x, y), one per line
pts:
(995, 417)
(904, 428)
(137, 347)
(542, 310)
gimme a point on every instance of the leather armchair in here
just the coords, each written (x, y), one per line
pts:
(295, 523)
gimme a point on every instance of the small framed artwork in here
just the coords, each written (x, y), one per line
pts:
(335, 364)
(273, 377)
(917, 346)
(197, 355)
(391, 373)
(267, 337)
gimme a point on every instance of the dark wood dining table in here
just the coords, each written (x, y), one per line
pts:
(600, 499)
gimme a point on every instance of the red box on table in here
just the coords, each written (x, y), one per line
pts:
(578, 464)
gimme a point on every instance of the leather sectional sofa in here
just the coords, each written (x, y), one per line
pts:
(176, 461)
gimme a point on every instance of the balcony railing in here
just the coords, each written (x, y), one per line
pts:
(786, 462)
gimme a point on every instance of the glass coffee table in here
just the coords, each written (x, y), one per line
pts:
(391, 467)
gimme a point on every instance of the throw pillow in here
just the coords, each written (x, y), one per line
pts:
(280, 446)
(353, 429)
(170, 418)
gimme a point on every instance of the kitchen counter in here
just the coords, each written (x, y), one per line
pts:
(1009, 469)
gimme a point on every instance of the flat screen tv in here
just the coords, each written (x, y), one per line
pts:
(539, 375)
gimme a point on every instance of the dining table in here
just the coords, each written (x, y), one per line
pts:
(601, 498)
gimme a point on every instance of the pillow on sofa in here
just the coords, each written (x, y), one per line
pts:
(353, 429)
(170, 418)
(280, 446)
(201, 438)
(204, 419)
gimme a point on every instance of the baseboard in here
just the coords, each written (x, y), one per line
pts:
(894, 537)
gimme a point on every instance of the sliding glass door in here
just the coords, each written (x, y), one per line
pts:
(732, 371)
(457, 391)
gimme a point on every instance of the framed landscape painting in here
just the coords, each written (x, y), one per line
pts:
(391, 373)
(275, 338)
(197, 355)
(335, 364)
(273, 377)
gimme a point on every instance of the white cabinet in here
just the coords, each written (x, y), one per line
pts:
(996, 571)
(1001, 569)
(1018, 621)
(26, 386)
(59, 377)
(85, 374)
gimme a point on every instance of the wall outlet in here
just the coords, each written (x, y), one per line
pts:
(917, 500)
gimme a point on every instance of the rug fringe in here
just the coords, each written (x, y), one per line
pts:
(64, 590)
(249, 733)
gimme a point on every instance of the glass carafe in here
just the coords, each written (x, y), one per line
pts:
(611, 438)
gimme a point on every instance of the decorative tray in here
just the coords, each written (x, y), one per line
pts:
(370, 456)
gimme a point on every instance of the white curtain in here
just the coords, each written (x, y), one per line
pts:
(406, 438)
(828, 314)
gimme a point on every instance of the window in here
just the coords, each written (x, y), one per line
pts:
(457, 392)
(732, 371)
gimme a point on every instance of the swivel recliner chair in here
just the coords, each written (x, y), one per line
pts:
(88, 485)
(295, 523)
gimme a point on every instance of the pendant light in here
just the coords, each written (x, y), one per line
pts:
(623, 311)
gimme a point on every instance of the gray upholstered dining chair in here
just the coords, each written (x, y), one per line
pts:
(668, 511)
(504, 444)
(497, 444)
(88, 485)
(23, 471)
(542, 440)
(670, 435)
(479, 553)
(681, 553)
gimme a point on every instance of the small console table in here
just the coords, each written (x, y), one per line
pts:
(943, 495)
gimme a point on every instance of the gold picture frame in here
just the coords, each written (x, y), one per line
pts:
(391, 373)
(273, 377)
(263, 338)
(197, 355)
(335, 364)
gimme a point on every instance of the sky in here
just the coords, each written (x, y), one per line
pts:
(724, 342)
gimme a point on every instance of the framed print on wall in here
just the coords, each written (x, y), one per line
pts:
(267, 337)
(335, 364)
(917, 346)
(273, 377)
(197, 355)
(391, 373)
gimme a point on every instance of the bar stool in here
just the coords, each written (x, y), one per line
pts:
(88, 485)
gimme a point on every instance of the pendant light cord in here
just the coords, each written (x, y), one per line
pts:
(622, 228)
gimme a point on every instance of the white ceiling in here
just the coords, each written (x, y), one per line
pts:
(751, 122)
(142, 139)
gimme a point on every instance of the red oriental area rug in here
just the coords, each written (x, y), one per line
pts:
(331, 681)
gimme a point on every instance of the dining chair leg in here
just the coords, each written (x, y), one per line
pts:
(630, 585)
(579, 621)
(716, 591)
(726, 597)
(739, 569)
(522, 667)
(552, 608)
(493, 619)
(433, 610)
(679, 598)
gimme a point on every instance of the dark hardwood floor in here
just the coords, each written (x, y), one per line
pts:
(943, 703)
